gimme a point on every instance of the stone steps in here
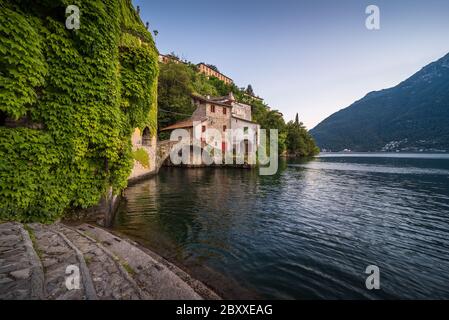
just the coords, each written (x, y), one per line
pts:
(21, 273)
(57, 254)
(158, 278)
(110, 278)
(37, 260)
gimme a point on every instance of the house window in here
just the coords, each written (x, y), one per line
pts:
(224, 128)
(245, 130)
(203, 129)
(224, 110)
(212, 108)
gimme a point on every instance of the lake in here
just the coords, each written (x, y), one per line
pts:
(308, 232)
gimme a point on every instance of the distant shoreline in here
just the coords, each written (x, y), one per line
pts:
(379, 154)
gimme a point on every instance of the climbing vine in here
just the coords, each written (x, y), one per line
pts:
(87, 89)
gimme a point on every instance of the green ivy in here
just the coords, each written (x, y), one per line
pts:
(88, 88)
(142, 157)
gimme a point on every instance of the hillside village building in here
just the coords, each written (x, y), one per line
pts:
(202, 68)
(222, 113)
(209, 72)
(167, 58)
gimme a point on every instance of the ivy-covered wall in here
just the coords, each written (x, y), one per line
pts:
(69, 101)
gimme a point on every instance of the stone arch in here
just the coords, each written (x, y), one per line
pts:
(163, 154)
(146, 137)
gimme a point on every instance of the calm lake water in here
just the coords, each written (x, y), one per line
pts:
(308, 232)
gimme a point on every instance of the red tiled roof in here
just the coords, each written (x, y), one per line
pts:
(187, 123)
(238, 118)
(181, 124)
(211, 101)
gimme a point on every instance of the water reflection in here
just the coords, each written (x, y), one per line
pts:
(307, 232)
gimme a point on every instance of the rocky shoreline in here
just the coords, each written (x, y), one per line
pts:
(85, 262)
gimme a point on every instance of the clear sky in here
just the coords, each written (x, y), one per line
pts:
(313, 57)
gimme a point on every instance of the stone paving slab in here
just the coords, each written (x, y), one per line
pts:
(110, 279)
(160, 279)
(34, 261)
(21, 275)
(57, 256)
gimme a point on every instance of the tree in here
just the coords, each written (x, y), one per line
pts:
(299, 142)
(249, 90)
(174, 90)
(178, 81)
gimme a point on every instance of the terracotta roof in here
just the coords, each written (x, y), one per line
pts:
(187, 123)
(218, 103)
(252, 96)
(238, 118)
(181, 124)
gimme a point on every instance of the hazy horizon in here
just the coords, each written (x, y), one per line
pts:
(308, 57)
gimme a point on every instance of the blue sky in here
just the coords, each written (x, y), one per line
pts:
(313, 57)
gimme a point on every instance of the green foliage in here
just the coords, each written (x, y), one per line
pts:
(249, 90)
(177, 81)
(298, 140)
(88, 88)
(142, 156)
(138, 73)
(174, 89)
(22, 63)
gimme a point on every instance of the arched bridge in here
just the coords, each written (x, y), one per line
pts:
(163, 151)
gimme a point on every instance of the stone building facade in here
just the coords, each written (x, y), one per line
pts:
(209, 72)
(167, 58)
(202, 68)
(221, 114)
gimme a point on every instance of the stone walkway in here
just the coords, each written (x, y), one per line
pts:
(85, 262)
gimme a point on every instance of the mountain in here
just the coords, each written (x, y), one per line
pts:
(412, 116)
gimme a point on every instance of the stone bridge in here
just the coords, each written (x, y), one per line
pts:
(163, 152)
(158, 151)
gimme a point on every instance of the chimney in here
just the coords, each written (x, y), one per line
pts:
(231, 96)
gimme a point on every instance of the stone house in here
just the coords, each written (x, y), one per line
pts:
(167, 58)
(222, 113)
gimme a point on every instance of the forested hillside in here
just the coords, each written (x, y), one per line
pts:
(177, 81)
(413, 116)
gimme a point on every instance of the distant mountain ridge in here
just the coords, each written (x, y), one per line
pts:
(412, 116)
